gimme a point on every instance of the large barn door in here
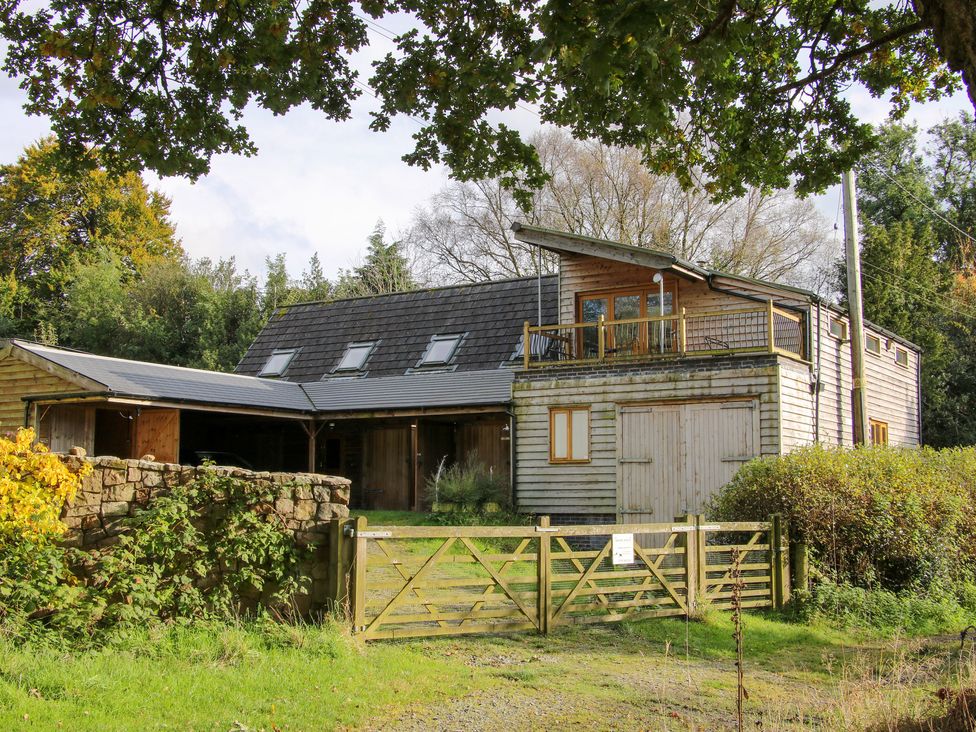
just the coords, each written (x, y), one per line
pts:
(651, 464)
(673, 458)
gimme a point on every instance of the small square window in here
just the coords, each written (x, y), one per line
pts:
(441, 350)
(901, 357)
(838, 329)
(278, 362)
(879, 432)
(355, 357)
(569, 435)
(872, 344)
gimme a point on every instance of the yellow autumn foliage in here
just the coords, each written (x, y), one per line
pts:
(34, 486)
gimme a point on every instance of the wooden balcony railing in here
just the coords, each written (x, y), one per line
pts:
(761, 329)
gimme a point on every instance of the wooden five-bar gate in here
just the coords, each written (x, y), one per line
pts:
(403, 581)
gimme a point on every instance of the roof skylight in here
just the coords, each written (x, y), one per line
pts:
(441, 350)
(278, 362)
(355, 356)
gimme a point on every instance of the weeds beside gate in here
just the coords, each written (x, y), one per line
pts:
(404, 581)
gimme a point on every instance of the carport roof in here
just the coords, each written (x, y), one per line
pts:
(159, 382)
(461, 388)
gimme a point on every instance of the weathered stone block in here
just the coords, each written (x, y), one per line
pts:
(133, 475)
(113, 476)
(116, 508)
(90, 522)
(320, 493)
(110, 461)
(73, 522)
(152, 478)
(114, 526)
(142, 496)
(326, 511)
(304, 509)
(92, 483)
(285, 506)
(340, 496)
(124, 492)
(303, 492)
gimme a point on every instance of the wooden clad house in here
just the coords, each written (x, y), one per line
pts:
(660, 378)
(631, 385)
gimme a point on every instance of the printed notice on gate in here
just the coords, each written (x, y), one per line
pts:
(623, 548)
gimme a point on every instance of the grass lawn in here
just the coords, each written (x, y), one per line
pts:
(660, 674)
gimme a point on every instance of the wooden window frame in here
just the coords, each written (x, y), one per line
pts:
(568, 410)
(879, 429)
(642, 291)
(868, 337)
(899, 350)
(843, 337)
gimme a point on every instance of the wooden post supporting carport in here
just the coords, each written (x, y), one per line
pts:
(312, 429)
(416, 478)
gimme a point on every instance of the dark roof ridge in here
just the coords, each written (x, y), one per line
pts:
(419, 291)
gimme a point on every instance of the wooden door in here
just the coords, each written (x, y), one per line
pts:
(386, 469)
(673, 458)
(157, 432)
(64, 427)
(651, 463)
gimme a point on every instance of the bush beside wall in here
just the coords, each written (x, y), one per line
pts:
(873, 517)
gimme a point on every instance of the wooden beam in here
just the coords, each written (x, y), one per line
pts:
(22, 354)
(52, 399)
(415, 465)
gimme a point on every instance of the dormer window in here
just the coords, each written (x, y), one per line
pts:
(355, 357)
(278, 362)
(441, 350)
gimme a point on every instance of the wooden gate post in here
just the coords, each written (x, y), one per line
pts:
(544, 562)
(334, 572)
(799, 565)
(359, 582)
(778, 562)
(689, 542)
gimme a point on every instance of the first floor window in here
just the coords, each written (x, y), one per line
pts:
(569, 434)
(879, 432)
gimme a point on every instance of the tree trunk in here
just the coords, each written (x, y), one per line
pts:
(953, 25)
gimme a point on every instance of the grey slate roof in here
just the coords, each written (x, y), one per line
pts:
(491, 315)
(467, 388)
(141, 379)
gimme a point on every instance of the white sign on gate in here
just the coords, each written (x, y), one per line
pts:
(623, 549)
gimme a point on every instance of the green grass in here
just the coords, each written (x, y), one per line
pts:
(659, 674)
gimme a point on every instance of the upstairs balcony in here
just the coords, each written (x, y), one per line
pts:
(759, 329)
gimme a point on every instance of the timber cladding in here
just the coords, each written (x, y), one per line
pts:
(20, 379)
(592, 488)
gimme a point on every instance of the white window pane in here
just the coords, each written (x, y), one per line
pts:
(581, 434)
(277, 363)
(355, 357)
(560, 436)
(441, 350)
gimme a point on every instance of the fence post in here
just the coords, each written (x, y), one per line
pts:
(776, 573)
(359, 583)
(336, 575)
(682, 333)
(771, 325)
(689, 541)
(544, 564)
(800, 565)
(601, 338)
(702, 556)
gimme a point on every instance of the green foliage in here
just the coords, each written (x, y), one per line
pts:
(212, 548)
(53, 220)
(736, 95)
(385, 270)
(895, 519)
(915, 614)
(468, 485)
(916, 265)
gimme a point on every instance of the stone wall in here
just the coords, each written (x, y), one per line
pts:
(116, 488)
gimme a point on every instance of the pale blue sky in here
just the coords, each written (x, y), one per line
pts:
(320, 186)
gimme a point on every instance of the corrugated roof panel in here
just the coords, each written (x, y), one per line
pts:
(451, 389)
(175, 383)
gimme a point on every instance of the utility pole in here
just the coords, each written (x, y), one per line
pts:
(859, 393)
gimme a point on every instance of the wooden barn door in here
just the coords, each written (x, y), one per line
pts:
(673, 458)
(386, 469)
(157, 432)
